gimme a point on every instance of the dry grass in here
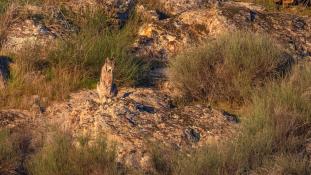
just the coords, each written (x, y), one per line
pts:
(55, 156)
(14, 145)
(60, 156)
(227, 69)
(8, 154)
(272, 140)
(73, 63)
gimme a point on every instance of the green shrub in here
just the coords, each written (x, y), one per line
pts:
(60, 156)
(228, 68)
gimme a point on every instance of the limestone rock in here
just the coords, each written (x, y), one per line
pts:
(162, 39)
(175, 7)
(137, 117)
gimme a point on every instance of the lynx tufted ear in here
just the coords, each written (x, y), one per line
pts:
(113, 62)
(107, 61)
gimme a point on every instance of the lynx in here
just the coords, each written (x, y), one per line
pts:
(106, 88)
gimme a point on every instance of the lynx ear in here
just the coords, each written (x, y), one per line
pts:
(107, 60)
(113, 60)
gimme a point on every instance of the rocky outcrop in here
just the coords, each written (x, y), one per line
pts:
(175, 7)
(162, 39)
(138, 117)
(33, 25)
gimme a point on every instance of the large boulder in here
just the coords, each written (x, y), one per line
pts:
(138, 117)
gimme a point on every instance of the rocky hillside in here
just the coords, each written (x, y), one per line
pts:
(139, 116)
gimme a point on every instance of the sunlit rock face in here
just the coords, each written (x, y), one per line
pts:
(178, 6)
(138, 117)
(161, 39)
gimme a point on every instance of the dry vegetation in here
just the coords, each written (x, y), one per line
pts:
(272, 140)
(8, 154)
(228, 69)
(237, 67)
(57, 156)
(60, 156)
(74, 62)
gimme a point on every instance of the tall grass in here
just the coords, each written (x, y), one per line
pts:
(273, 137)
(8, 154)
(229, 68)
(60, 156)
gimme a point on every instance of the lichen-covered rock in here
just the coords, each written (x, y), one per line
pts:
(136, 118)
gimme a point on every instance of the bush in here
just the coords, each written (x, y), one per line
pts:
(227, 69)
(273, 135)
(60, 156)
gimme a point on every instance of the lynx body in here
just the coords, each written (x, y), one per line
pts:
(106, 87)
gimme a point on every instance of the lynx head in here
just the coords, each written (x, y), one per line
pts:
(109, 65)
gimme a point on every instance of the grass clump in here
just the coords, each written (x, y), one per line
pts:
(8, 154)
(227, 69)
(273, 137)
(13, 147)
(60, 156)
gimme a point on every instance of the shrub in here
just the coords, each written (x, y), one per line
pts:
(273, 135)
(228, 68)
(60, 156)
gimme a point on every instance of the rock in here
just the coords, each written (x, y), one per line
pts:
(163, 39)
(175, 7)
(138, 118)
(192, 135)
(231, 117)
(106, 88)
(4, 71)
(12, 118)
(144, 108)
